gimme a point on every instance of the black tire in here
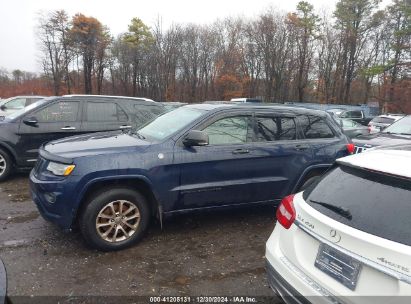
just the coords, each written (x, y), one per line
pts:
(308, 182)
(89, 214)
(5, 160)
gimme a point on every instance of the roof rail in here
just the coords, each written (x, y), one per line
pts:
(110, 96)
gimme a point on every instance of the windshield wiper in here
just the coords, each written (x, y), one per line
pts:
(339, 210)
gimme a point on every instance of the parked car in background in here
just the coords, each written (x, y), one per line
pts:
(357, 116)
(172, 105)
(244, 100)
(12, 104)
(397, 133)
(351, 128)
(335, 241)
(379, 123)
(193, 158)
(24, 131)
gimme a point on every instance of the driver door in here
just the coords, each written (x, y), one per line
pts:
(54, 121)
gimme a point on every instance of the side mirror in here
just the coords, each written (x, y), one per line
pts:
(3, 107)
(31, 121)
(196, 138)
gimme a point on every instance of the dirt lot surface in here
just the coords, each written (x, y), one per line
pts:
(218, 253)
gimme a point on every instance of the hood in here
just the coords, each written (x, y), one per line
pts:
(94, 144)
(382, 139)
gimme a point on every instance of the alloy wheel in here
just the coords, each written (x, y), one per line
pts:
(118, 221)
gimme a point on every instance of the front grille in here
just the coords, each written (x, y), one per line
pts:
(358, 149)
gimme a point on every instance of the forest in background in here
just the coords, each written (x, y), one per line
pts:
(357, 53)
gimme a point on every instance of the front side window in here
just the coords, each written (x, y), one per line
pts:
(58, 112)
(315, 127)
(229, 130)
(275, 128)
(105, 111)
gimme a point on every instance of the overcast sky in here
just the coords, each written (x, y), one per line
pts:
(18, 18)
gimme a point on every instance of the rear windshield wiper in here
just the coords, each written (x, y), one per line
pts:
(339, 210)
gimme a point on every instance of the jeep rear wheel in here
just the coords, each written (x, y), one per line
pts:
(115, 219)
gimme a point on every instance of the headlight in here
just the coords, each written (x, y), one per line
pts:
(60, 169)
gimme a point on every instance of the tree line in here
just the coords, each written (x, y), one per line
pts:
(356, 54)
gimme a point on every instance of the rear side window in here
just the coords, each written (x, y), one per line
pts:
(383, 209)
(315, 127)
(18, 103)
(229, 130)
(145, 113)
(62, 111)
(105, 111)
(275, 128)
(352, 114)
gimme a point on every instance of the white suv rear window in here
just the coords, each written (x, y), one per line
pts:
(379, 204)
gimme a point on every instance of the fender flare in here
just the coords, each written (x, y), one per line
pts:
(143, 178)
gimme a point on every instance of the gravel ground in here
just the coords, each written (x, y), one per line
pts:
(213, 253)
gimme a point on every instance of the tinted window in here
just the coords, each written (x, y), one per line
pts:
(60, 111)
(275, 128)
(382, 210)
(105, 111)
(384, 120)
(352, 114)
(230, 130)
(315, 127)
(146, 113)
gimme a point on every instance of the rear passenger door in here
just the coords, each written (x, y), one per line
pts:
(319, 135)
(104, 116)
(278, 154)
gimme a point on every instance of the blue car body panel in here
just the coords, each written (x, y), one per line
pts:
(182, 178)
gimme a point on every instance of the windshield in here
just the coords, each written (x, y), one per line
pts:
(169, 123)
(27, 109)
(402, 126)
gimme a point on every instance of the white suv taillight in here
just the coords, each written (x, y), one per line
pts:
(286, 212)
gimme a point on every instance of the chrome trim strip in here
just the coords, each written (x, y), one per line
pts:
(388, 271)
(313, 284)
(31, 160)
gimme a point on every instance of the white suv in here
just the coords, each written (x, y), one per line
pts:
(347, 237)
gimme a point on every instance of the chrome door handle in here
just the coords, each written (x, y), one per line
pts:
(241, 151)
(68, 128)
(125, 127)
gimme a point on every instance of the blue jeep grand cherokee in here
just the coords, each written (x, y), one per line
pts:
(195, 157)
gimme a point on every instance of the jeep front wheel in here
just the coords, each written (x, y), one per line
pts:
(115, 219)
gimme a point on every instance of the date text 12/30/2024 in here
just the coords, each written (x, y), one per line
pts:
(202, 299)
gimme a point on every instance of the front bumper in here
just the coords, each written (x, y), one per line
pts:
(281, 287)
(60, 211)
